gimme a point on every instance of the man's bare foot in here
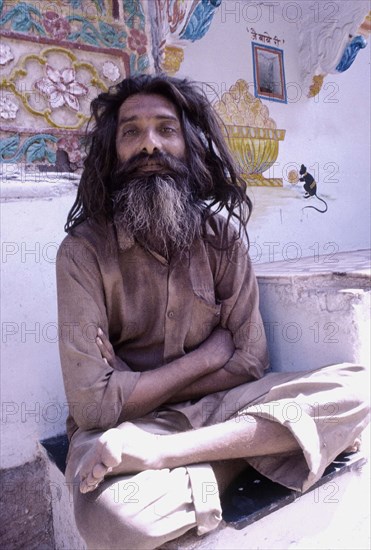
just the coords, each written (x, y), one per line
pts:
(355, 447)
(121, 450)
(99, 461)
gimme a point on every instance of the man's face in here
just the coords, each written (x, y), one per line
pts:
(149, 123)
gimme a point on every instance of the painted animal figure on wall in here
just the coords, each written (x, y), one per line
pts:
(310, 187)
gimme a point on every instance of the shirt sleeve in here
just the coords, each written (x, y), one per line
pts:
(96, 393)
(237, 291)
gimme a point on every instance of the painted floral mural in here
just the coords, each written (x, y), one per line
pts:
(61, 88)
(58, 27)
(55, 57)
(8, 108)
(6, 54)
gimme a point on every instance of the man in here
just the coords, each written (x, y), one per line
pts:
(163, 350)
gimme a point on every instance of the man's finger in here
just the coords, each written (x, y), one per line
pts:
(103, 338)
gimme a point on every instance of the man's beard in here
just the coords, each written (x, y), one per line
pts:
(157, 209)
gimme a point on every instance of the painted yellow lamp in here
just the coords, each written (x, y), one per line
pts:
(251, 134)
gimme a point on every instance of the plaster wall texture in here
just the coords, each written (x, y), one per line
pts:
(328, 133)
(309, 326)
(32, 394)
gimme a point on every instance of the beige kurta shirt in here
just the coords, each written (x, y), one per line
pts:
(152, 310)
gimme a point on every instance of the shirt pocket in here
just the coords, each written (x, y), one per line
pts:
(205, 316)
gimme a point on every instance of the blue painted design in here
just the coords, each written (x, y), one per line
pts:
(200, 20)
(79, 5)
(134, 14)
(142, 63)
(133, 63)
(350, 53)
(23, 18)
(106, 35)
(35, 148)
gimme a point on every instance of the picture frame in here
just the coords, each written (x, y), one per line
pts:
(269, 73)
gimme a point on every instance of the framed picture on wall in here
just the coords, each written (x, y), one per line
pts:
(269, 73)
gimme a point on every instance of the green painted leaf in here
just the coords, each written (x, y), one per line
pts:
(107, 30)
(9, 146)
(36, 151)
(89, 37)
(73, 36)
(51, 156)
(143, 63)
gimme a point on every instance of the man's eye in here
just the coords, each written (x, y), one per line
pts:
(130, 132)
(168, 130)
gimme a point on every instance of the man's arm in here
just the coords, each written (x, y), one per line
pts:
(212, 382)
(216, 381)
(237, 291)
(100, 396)
(179, 379)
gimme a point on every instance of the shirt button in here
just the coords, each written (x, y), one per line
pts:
(170, 314)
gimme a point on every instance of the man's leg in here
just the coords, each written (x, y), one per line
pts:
(295, 430)
(144, 510)
(128, 449)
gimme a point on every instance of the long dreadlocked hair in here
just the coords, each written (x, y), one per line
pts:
(213, 175)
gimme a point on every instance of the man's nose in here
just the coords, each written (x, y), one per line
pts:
(150, 143)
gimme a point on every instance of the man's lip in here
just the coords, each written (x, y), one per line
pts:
(151, 166)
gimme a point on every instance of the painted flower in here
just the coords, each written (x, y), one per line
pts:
(111, 71)
(6, 54)
(72, 147)
(137, 41)
(61, 87)
(55, 25)
(8, 108)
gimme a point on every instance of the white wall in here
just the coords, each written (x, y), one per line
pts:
(32, 393)
(328, 133)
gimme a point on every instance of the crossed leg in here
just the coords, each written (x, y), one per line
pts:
(265, 431)
(128, 449)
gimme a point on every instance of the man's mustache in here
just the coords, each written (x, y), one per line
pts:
(171, 164)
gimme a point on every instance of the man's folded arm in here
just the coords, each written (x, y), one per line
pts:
(237, 291)
(100, 396)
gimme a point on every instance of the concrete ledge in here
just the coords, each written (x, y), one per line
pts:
(316, 313)
(19, 182)
(26, 507)
(36, 508)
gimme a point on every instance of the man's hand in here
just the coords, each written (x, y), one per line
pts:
(106, 349)
(217, 349)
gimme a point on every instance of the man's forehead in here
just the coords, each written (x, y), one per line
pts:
(147, 106)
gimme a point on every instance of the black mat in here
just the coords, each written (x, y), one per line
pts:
(252, 496)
